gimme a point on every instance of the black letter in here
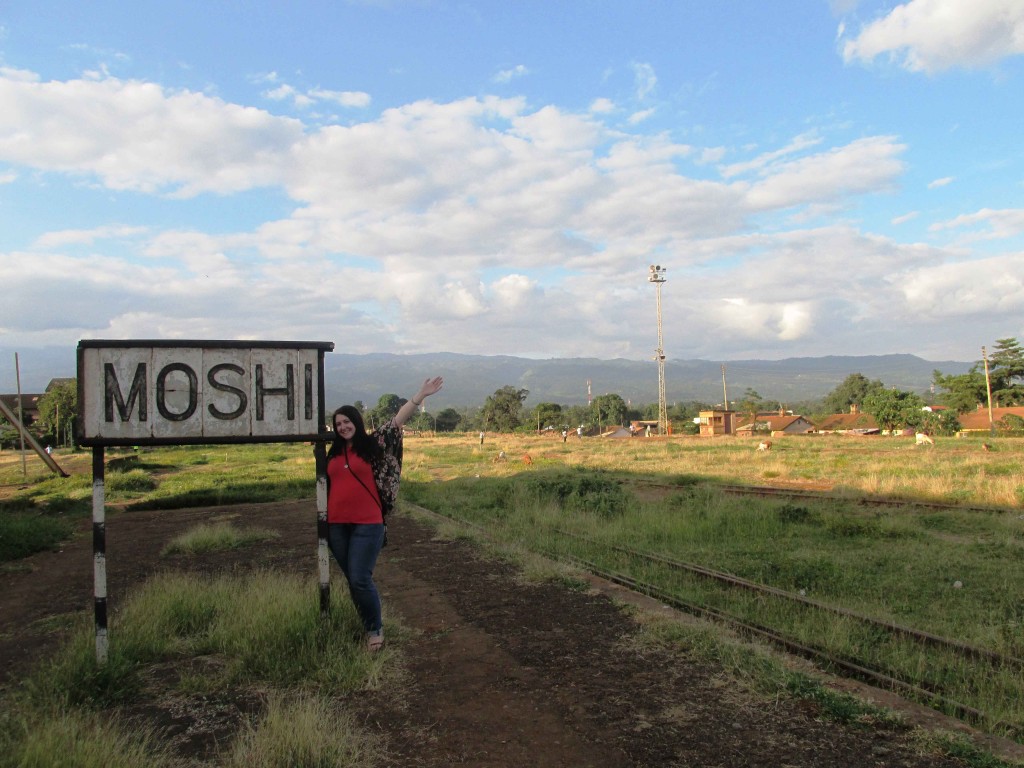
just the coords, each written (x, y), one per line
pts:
(309, 391)
(288, 389)
(243, 399)
(193, 392)
(112, 393)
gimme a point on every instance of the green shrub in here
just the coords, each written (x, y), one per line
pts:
(582, 492)
(133, 481)
(215, 538)
(23, 534)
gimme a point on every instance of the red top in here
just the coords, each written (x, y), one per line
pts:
(350, 501)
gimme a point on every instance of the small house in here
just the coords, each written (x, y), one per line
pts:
(775, 425)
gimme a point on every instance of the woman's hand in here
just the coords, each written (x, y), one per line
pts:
(430, 386)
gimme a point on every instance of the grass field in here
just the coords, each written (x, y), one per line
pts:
(953, 570)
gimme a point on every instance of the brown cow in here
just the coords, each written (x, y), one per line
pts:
(764, 445)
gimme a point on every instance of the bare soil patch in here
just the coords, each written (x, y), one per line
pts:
(496, 672)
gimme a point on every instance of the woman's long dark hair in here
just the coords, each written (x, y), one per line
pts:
(364, 446)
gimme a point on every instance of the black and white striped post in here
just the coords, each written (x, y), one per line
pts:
(322, 552)
(99, 555)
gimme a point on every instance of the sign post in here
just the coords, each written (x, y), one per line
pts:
(133, 393)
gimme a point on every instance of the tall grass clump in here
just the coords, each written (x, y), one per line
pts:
(265, 627)
(80, 739)
(23, 533)
(124, 484)
(303, 731)
(217, 537)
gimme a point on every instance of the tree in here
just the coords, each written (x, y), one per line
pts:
(941, 423)
(447, 420)
(963, 392)
(386, 409)
(575, 415)
(609, 409)
(58, 409)
(1006, 367)
(853, 390)
(894, 409)
(750, 403)
(547, 415)
(501, 410)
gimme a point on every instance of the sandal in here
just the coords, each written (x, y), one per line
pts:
(375, 642)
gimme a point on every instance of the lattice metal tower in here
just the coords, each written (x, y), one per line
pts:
(657, 276)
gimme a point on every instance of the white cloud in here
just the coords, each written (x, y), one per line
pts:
(644, 79)
(897, 220)
(508, 75)
(972, 287)
(638, 117)
(711, 155)
(602, 106)
(304, 99)
(52, 240)
(343, 98)
(944, 181)
(996, 224)
(934, 35)
(787, 321)
(768, 159)
(138, 136)
(865, 165)
(18, 75)
(483, 224)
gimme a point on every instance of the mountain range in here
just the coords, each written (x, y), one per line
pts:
(469, 379)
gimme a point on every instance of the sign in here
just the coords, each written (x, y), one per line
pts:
(184, 392)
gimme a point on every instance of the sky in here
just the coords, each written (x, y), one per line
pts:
(407, 176)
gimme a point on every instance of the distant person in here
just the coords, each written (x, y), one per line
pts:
(579, 432)
(647, 431)
(565, 435)
(363, 471)
(481, 438)
(49, 450)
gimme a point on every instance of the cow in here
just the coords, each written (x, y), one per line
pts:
(923, 438)
(764, 445)
(527, 459)
(500, 457)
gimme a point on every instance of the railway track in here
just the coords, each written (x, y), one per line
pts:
(931, 694)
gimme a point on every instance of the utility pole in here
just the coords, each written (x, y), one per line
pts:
(988, 389)
(21, 415)
(657, 276)
(725, 392)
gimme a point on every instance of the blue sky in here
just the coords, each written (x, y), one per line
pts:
(495, 177)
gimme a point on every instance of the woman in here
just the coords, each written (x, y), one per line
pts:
(363, 471)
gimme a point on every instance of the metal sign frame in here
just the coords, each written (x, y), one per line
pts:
(151, 392)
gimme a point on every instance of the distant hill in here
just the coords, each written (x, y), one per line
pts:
(469, 379)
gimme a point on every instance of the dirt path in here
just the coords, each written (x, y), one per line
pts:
(498, 672)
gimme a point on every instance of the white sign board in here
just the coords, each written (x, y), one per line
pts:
(181, 392)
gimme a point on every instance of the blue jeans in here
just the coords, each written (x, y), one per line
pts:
(355, 546)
